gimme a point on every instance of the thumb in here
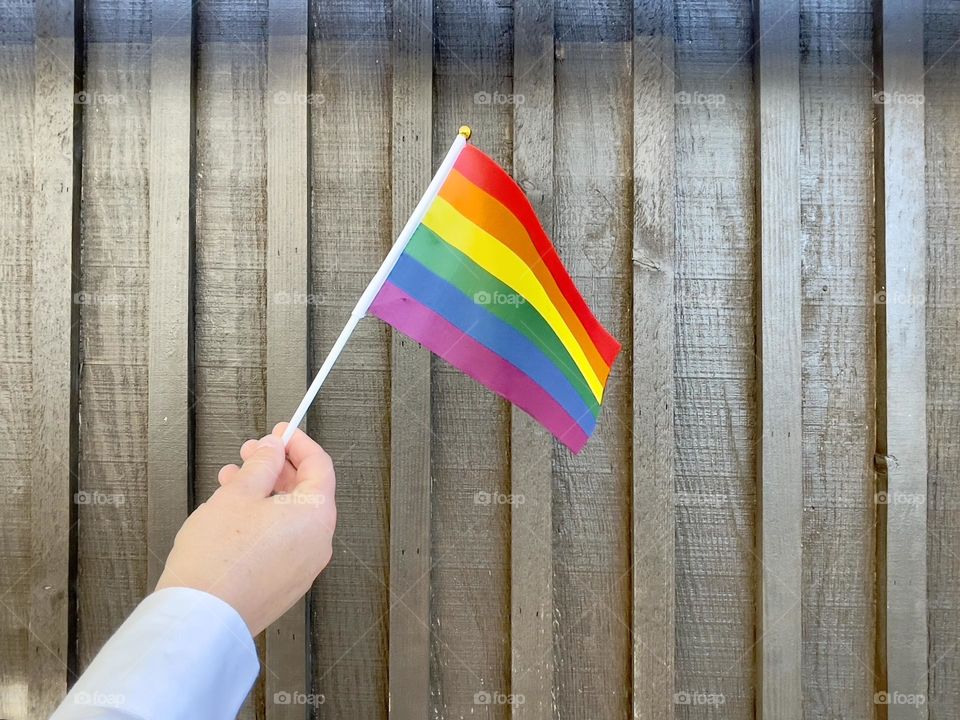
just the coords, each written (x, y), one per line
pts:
(259, 473)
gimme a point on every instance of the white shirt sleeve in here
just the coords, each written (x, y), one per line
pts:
(182, 654)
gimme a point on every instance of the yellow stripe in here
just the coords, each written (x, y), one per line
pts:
(501, 262)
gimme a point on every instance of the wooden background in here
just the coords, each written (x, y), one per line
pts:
(760, 202)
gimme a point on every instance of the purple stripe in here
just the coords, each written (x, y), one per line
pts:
(394, 306)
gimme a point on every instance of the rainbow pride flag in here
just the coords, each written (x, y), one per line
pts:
(480, 284)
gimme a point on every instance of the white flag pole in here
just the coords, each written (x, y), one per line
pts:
(366, 299)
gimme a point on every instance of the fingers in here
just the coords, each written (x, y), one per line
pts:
(246, 450)
(227, 473)
(285, 482)
(316, 485)
(261, 469)
(300, 446)
(315, 476)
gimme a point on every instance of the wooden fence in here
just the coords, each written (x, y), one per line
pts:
(762, 203)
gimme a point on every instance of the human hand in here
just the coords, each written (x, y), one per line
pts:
(257, 552)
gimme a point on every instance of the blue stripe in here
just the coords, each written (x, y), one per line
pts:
(490, 331)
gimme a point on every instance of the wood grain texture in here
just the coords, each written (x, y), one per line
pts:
(716, 367)
(531, 447)
(286, 666)
(410, 416)
(470, 600)
(113, 304)
(637, 556)
(593, 234)
(942, 123)
(352, 230)
(779, 452)
(230, 340)
(901, 357)
(16, 352)
(836, 190)
(170, 403)
(654, 319)
(55, 353)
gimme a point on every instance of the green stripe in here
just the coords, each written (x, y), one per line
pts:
(444, 260)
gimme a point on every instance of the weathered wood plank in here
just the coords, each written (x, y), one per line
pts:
(901, 362)
(230, 248)
(901, 357)
(287, 264)
(470, 613)
(779, 454)
(942, 122)
(55, 353)
(16, 350)
(715, 373)
(170, 413)
(112, 298)
(593, 232)
(351, 210)
(654, 239)
(836, 190)
(531, 447)
(410, 416)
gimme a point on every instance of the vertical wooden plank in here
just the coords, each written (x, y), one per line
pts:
(941, 109)
(779, 455)
(16, 350)
(901, 358)
(169, 455)
(836, 189)
(56, 256)
(287, 264)
(593, 233)
(113, 307)
(716, 365)
(470, 581)
(230, 246)
(531, 447)
(654, 228)
(351, 231)
(410, 421)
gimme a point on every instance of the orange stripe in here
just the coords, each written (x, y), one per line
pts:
(481, 169)
(489, 214)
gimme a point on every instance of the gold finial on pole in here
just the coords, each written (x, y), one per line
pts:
(465, 131)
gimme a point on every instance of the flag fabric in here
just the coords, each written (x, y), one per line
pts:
(480, 284)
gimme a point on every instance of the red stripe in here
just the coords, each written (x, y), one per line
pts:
(487, 175)
(434, 332)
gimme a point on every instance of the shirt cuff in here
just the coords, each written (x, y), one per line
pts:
(182, 653)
